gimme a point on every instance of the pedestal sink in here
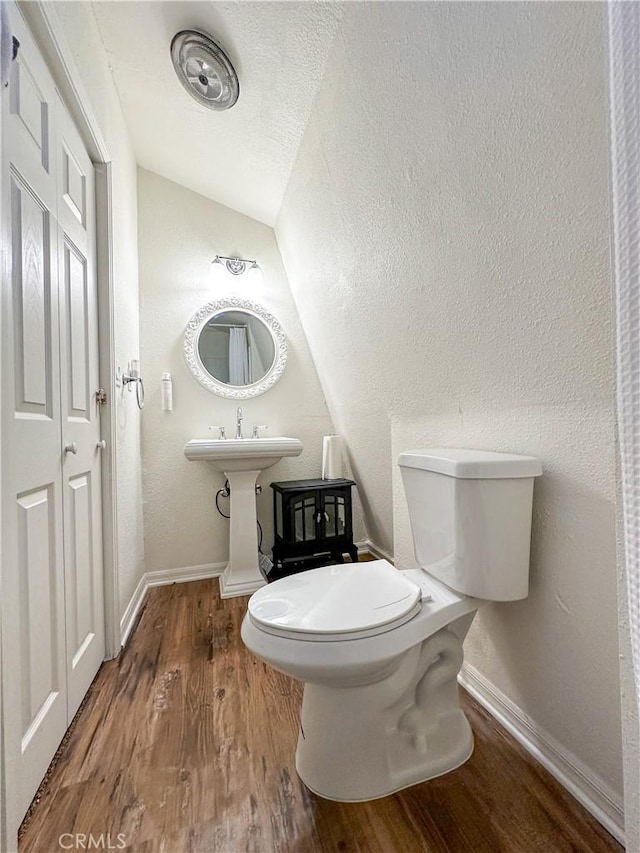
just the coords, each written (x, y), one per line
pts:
(241, 460)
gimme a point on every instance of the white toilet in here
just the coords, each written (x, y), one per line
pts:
(379, 649)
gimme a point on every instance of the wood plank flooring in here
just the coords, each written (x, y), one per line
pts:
(186, 745)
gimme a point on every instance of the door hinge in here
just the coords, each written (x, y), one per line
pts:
(101, 397)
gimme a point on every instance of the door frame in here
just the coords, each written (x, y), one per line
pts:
(45, 26)
(4, 271)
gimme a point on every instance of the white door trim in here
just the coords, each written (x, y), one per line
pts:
(43, 22)
(106, 345)
(42, 19)
(4, 276)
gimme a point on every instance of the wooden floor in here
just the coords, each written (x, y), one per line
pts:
(186, 743)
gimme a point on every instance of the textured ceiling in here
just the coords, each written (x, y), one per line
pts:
(241, 158)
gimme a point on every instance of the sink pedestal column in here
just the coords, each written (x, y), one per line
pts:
(242, 575)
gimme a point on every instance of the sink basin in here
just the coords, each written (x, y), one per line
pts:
(241, 460)
(242, 454)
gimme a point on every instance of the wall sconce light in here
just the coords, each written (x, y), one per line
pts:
(236, 268)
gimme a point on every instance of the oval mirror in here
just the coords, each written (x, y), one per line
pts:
(235, 348)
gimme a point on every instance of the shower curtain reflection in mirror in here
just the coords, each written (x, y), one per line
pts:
(239, 368)
(236, 349)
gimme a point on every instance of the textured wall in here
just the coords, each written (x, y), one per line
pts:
(84, 41)
(445, 233)
(179, 234)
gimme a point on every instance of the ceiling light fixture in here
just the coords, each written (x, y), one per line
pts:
(205, 70)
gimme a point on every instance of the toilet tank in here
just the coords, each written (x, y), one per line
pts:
(470, 513)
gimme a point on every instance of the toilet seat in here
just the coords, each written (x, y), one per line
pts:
(341, 602)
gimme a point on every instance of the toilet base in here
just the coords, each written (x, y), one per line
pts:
(416, 778)
(367, 741)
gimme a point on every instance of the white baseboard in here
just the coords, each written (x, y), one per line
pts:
(188, 573)
(366, 546)
(131, 611)
(591, 791)
(163, 577)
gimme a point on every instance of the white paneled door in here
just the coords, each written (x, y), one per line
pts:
(79, 381)
(53, 614)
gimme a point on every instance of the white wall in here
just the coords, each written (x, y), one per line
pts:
(445, 233)
(180, 232)
(83, 40)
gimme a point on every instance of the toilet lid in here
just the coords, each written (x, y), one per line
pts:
(343, 599)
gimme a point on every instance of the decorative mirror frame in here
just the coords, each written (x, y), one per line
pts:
(192, 356)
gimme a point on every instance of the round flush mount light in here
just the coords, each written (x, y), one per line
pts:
(204, 70)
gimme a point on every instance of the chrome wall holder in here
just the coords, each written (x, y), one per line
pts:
(133, 376)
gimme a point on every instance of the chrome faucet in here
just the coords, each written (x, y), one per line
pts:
(239, 423)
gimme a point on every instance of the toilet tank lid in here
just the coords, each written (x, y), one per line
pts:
(471, 464)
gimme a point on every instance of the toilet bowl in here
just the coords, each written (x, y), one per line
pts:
(379, 649)
(391, 684)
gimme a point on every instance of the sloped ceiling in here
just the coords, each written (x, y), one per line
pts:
(241, 158)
